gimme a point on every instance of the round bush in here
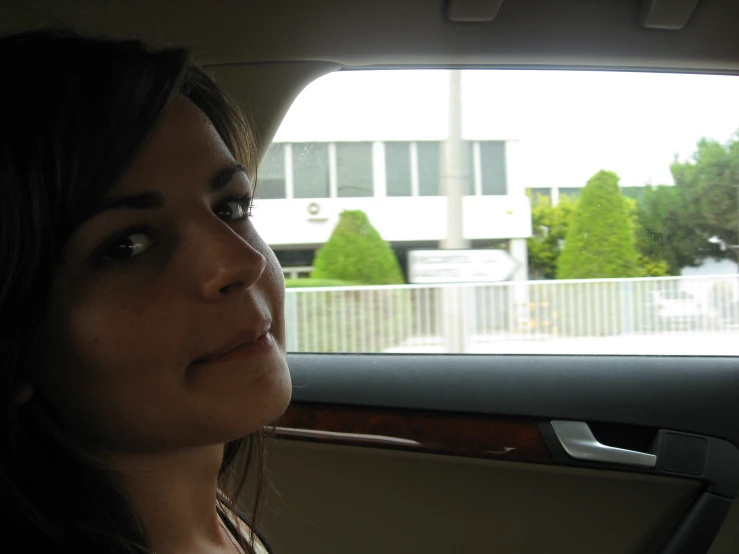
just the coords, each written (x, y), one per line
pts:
(600, 240)
(356, 252)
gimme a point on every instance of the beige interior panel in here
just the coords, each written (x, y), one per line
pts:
(351, 500)
(414, 32)
(265, 91)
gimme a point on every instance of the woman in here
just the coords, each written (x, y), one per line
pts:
(143, 337)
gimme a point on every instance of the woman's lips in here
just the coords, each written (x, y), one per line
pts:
(247, 344)
(263, 343)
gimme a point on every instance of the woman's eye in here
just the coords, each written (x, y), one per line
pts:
(127, 246)
(234, 209)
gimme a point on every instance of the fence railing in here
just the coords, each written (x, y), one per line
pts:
(451, 317)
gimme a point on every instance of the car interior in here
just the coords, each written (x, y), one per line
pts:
(425, 453)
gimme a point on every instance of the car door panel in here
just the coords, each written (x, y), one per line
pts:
(338, 499)
(455, 453)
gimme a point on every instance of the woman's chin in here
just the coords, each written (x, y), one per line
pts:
(265, 406)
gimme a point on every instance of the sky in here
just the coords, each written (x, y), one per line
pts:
(566, 125)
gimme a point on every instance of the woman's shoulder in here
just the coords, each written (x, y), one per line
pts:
(244, 526)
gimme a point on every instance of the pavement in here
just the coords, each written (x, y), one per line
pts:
(676, 343)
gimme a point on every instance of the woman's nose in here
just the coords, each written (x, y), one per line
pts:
(225, 262)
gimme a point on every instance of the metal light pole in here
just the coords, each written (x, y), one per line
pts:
(454, 179)
(454, 167)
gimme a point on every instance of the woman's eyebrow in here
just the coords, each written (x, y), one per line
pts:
(155, 199)
(143, 201)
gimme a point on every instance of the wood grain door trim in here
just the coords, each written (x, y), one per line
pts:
(455, 434)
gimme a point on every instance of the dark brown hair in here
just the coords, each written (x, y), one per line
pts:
(74, 114)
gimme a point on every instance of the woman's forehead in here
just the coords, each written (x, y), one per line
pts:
(185, 145)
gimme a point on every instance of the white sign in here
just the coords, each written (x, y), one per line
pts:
(460, 266)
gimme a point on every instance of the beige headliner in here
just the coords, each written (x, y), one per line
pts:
(251, 35)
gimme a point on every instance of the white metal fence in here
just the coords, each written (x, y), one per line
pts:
(615, 314)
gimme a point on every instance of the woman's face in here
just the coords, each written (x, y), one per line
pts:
(166, 325)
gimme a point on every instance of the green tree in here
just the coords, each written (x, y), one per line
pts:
(667, 229)
(651, 264)
(600, 238)
(356, 252)
(676, 222)
(549, 224)
(649, 267)
(708, 188)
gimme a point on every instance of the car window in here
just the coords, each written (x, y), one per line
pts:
(499, 211)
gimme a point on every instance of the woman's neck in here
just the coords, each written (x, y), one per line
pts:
(175, 495)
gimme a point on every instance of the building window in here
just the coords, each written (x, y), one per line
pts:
(493, 168)
(354, 169)
(540, 194)
(302, 272)
(398, 168)
(310, 170)
(572, 192)
(271, 174)
(429, 168)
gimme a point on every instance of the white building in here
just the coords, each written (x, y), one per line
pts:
(302, 187)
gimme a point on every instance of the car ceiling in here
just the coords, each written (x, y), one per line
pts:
(360, 33)
(264, 52)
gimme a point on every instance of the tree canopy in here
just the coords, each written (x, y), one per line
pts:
(678, 221)
(549, 224)
(600, 239)
(668, 229)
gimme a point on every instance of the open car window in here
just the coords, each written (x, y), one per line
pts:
(498, 211)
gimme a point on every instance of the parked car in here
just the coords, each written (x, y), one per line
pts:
(676, 308)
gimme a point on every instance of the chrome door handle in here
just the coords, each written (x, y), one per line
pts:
(578, 441)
